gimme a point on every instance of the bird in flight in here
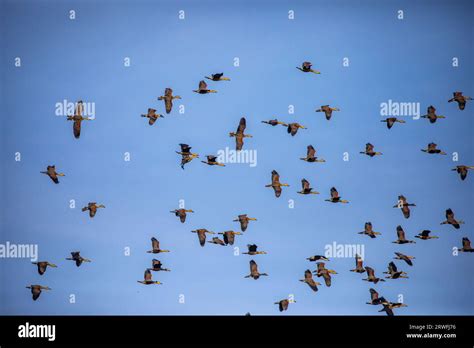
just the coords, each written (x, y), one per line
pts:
(53, 175)
(168, 98)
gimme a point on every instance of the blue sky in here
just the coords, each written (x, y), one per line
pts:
(405, 60)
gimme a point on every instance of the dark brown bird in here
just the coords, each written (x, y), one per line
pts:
(327, 111)
(393, 272)
(406, 258)
(252, 250)
(203, 88)
(186, 154)
(369, 150)
(254, 273)
(239, 134)
(212, 161)
(217, 240)
(460, 99)
(276, 185)
(51, 172)
(404, 206)
(425, 235)
(147, 279)
(374, 297)
(244, 221)
(432, 149)
(229, 236)
(92, 207)
(283, 305)
(156, 265)
(76, 256)
(401, 237)
(201, 232)
(462, 170)
(181, 213)
(371, 276)
(306, 189)
(431, 114)
(450, 220)
(293, 128)
(168, 98)
(317, 258)
(78, 118)
(389, 306)
(275, 122)
(152, 116)
(390, 121)
(311, 155)
(217, 77)
(322, 271)
(335, 197)
(42, 265)
(466, 246)
(306, 67)
(36, 290)
(359, 265)
(369, 231)
(155, 247)
(308, 279)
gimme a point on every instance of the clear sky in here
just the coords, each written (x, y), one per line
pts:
(407, 60)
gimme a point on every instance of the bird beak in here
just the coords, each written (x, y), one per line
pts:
(225, 79)
(253, 219)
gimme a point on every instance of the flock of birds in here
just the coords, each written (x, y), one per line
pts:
(228, 237)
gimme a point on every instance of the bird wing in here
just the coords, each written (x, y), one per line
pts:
(185, 147)
(252, 247)
(308, 275)
(466, 243)
(327, 278)
(369, 147)
(202, 85)
(76, 127)
(449, 214)
(155, 244)
(211, 158)
(400, 233)
(253, 267)
(147, 275)
(310, 151)
(305, 184)
(242, 125)
(370, 272)
(368, 227)
(392, 268)
(79, 108)
(168, 92)
(334, 193)
(275, 177)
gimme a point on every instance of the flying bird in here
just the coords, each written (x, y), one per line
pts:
(466, 246)
(293, 128)
(76, 257)
(335, 197)
(406, 258)
(450, 220)
(186, 154)
(217, 77)
(401, 237)
(152, 116)
(275, 122)
(51, 172)
(201, 233)
(404, 206)
(462, 170)
(390, 121)
(229, 236)
(317, 258)
(254, 273)
(389, 306)
(217, 240)
(431, 114)
(147, 279)
(359, 265)
(156, 265)
(306, 189)
(327, 111)
(212, 161)
(203, 88)
(168, 98)
(460, 99)
(311, 155)
(78, 118)
(244, 221)
(181, 213)
(432, 149)
(425, 234)
(306, 67)
(283, 305)
(322, 271)
(36, 290)
(276, 185)
(92, 208)
(374, 297)
(155, 247)
(308, 279)
(42, 265)
(369, 150)
(393, 272)
(252, 250)
(369, 231)
(239, 134)
(371, 276)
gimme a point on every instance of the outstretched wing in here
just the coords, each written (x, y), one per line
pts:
(334, 193)
(242, 125)
(202, 85)
(155, 245)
